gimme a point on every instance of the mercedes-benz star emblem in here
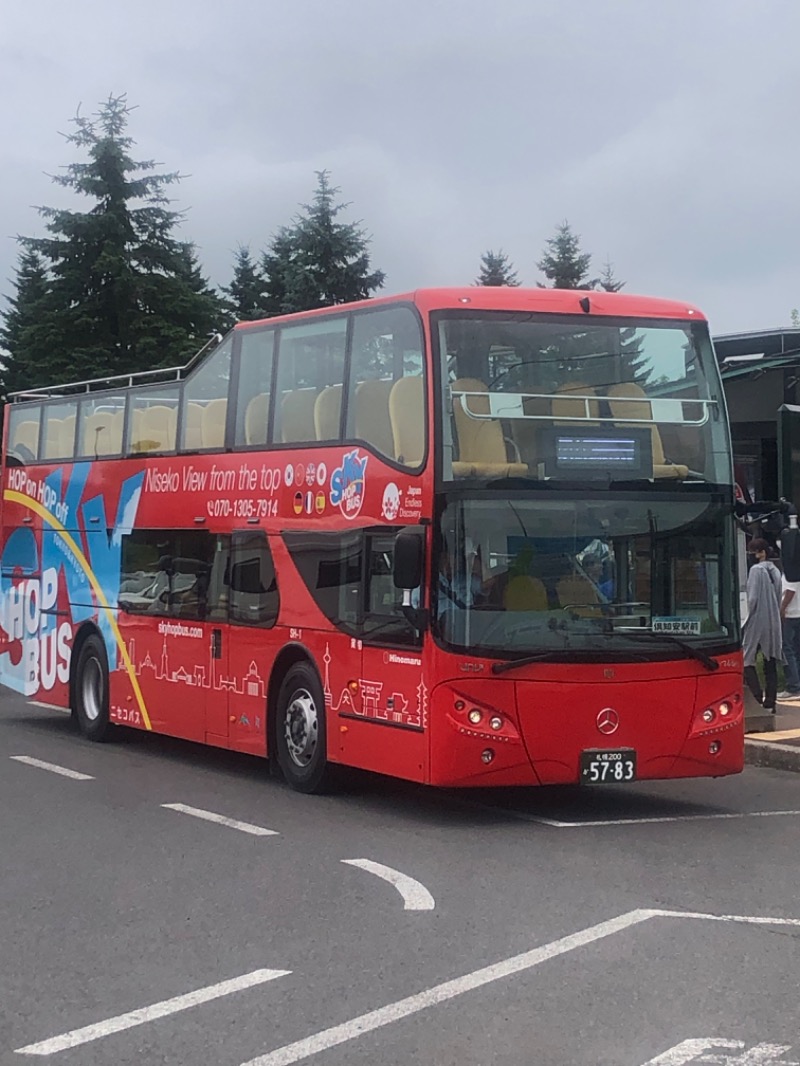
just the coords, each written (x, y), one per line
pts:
(608, 721)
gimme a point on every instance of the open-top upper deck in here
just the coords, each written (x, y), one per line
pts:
(514, 364)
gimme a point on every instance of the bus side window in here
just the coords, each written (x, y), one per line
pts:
(59, 430)
(255, 381)
(386, 348)
(23, 433)
(171, 573)
(253, 588)
(207, 388)
(310, 367)
(152, 420)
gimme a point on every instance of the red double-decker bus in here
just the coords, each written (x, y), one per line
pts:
(471, 536)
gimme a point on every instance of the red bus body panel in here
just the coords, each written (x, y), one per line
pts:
(396, 711)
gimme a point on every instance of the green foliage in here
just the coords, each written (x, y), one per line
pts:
(563, 264)
(317, 261)
(22, 322)
(123, 292)
(608, 281)
(496, 270)
(247, 293)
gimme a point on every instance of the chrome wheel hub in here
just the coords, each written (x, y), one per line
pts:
(92, 689)
(301, 727)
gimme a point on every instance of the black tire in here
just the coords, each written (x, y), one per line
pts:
(90, 698)
(301, 740)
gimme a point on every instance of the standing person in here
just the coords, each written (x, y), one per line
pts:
(790, 617)
(762, 630)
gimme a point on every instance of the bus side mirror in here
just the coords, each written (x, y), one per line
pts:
(407, 560)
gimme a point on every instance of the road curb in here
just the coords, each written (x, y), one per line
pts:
(772, 754)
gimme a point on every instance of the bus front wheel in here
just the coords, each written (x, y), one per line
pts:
(300, 733)
(91, 690)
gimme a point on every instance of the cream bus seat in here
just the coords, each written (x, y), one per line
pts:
(568, 403)
(407, 415)
(96, 434)
(158, 428)
(115, 426)
(327, 413)
(192, 426)
(525, 593)
(255, 419)
(297, 416)
(68, 436)
(580, 594)
(212, 423)
(26, 435)
(622, 403)
(52, 439)
(371, 422)
(481, 444)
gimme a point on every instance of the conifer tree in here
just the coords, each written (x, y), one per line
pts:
(125, 294)
(608, 280)
(318, 261)
(22, 321)
(563, 264)
(247, 292)
(496, 269)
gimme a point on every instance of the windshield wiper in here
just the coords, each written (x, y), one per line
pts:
(500, 668)
(689, 649)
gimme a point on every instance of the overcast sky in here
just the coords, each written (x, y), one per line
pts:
(666, 132)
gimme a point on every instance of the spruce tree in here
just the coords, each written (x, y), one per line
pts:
(125, 294)
(496, 270)
(318, 261)
(608, 281)
(247, 293)
(563, 264)
(23, 321)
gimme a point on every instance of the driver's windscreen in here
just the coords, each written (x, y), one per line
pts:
(522, 575)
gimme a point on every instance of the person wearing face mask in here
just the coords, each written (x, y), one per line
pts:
(762, 630)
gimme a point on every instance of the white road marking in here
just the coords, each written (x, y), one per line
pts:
(149, 1014)
(747, 919)
(690, 1049)
(49, 706)
(403, 1008)
(415, 895)
(555, 824)
(51, 766)
(220, 819)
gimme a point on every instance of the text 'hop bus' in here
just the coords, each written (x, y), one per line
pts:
(464, 537)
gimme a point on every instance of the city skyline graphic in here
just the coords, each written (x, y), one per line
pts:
(394, 710)
(201, 676)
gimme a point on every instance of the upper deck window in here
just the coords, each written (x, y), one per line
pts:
(23, 432)
(255, 380)
(101, 421)
(386, 398)
(153, 419)
(204, 408)
(555, 396)
(310, 378)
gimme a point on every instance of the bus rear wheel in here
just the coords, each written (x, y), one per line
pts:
(300, 733)
(90, 700)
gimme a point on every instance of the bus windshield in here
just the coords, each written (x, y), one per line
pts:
(592, 575)
(567, 398)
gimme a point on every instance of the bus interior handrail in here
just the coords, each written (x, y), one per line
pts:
(46, 392)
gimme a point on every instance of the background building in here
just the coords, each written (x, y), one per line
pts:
(760, 374)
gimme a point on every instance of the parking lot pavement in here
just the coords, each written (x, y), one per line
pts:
(163, 902)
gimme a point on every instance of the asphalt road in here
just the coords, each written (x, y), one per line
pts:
(541, 928)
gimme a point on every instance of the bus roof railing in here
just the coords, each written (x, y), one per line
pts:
(140, 377)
